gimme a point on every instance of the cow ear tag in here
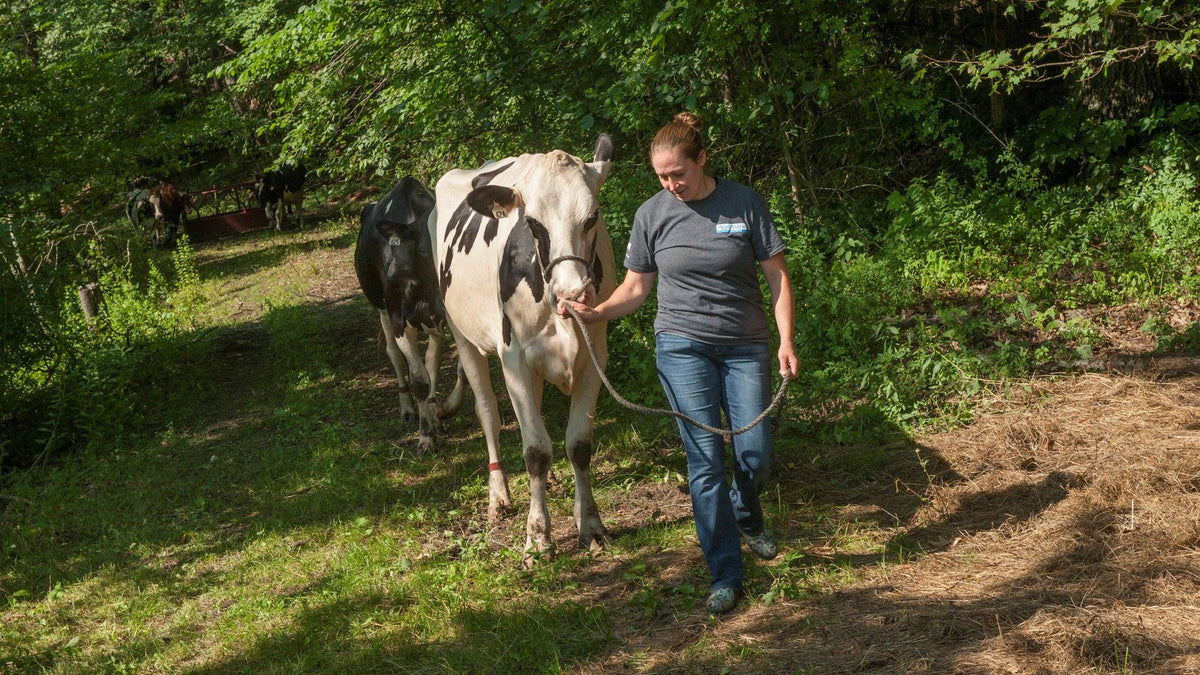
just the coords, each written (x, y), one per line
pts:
(395, 240)
(498, 211)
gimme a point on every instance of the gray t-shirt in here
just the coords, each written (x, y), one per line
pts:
(706, 253)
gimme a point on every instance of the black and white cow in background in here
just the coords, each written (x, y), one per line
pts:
(394, 263)
(511, 238)
(280, 192)
(137, 206)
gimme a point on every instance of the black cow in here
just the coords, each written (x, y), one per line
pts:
(281, 191)
(394, 262)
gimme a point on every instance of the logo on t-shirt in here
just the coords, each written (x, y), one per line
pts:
(732, 228)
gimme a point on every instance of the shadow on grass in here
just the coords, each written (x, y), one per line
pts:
(293, 426)
(254, 256)
(290, 422)
(523, 639)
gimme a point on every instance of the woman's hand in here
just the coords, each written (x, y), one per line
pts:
(627, 297)
(586, 312)
(789, 363)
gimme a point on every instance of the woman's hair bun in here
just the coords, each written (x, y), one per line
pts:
(691, 119)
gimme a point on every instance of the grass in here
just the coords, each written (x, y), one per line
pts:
(275, 520)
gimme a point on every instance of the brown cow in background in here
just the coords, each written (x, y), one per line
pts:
(169, 206)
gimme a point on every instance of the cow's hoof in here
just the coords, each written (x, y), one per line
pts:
(424, 445)
(409, 418)
(595, 541)
(497, 512)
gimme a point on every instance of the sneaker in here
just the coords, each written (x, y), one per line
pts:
(762, 545)
(722, 600)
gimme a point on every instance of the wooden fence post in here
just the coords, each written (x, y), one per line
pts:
(90, 299)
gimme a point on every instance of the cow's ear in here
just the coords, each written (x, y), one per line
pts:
(599, 167)
(597, 173)
(495, 201)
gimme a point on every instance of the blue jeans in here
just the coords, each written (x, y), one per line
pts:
(703, 380)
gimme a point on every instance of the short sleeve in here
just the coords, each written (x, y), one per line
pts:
(639, 255)
(766, 238)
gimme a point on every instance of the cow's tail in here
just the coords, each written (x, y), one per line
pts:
(451, 404)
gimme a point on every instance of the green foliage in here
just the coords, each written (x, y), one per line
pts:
(936, 244)
(78, 384)
(1080, 40)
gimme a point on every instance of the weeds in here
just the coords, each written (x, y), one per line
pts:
(221, 478)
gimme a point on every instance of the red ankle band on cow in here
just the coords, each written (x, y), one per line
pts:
(494, 466)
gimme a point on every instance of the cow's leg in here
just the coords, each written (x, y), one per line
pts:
(272, 210)
(524, 389)
(418, 382)
(591, 530)
(579, 449)
(408, 411)
(474, 363)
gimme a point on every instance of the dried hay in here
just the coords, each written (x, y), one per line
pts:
(1077, 542)
(1059, 530)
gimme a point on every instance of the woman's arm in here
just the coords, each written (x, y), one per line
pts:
(627, 297)
(775, 270)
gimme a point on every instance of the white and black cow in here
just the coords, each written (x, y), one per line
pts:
(394, 263)
(138, 208)
(281, 192)
(511, 238)
(169, 207)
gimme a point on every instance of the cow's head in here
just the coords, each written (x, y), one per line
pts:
(556, 198)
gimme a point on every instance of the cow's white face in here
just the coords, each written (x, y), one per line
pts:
(556, 199)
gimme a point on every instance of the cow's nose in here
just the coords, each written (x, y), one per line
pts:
(584, 295)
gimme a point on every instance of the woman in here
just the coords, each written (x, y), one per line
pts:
(701, 237)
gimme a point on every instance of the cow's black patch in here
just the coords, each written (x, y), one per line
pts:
(446, 274)
(542, 236)
(485, 177)
(537, 460)
(597, 271)
(469, 234)
(506, 327)
(489, 233)
(581, 454)
(463, 226)
(520, 261)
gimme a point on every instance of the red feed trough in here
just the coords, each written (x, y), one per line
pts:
(223, 211)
